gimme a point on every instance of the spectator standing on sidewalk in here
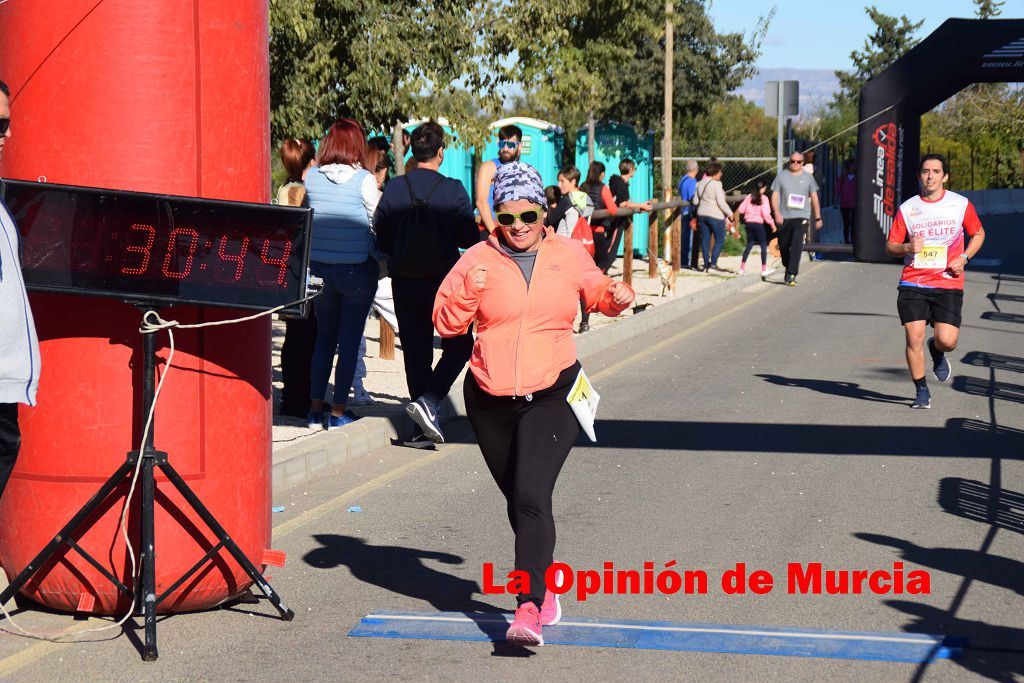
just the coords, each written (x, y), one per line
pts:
(713, 215)
(794, 204)
(422, 220)
(573, 204)
(19, 354)
(510, 142)
(688, 192)
(344, 196)
(601, 195)
(300, 333)
(619, 187)
(848, 198)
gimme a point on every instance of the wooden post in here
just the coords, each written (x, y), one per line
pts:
(398, 148)
(652, 245)
(627, 253)
(666, 140)
(387, 340)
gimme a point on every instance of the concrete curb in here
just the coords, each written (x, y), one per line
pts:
(303, 461)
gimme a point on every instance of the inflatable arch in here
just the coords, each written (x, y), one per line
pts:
(958, 53)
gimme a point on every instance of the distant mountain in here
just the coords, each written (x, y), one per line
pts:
(817, 86)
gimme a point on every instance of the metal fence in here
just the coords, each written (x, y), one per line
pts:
(742, 160)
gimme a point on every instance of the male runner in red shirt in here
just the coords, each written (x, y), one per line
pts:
(932, 284)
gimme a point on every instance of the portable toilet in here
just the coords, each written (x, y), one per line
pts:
(458, 158)
(614, 142)
(542, 145)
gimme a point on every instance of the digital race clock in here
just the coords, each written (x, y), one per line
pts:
(159, 248)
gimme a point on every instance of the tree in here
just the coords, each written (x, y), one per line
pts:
(374, 60)
(706, 66)
(891, 39)
(603, 59)
(570, 58)
(987, 9)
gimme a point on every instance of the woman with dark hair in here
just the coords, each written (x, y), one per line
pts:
(520, 287)
(756, 212)
(300, 333)
(344, 196)
(601, 196)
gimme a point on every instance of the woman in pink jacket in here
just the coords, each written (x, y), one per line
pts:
(521, 288)
(756, 211)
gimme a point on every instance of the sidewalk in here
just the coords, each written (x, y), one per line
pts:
(301, 453)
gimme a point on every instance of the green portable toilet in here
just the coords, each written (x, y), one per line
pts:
(542, 146)
(614, 142)
(458, 159)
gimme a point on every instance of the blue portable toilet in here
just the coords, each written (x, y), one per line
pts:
(542, 145)
(458, 158)
(614, 142)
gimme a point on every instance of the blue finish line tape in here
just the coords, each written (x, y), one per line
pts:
(663, 635)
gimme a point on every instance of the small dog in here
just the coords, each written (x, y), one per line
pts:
(668, 277)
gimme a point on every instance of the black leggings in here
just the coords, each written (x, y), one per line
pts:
(525, 443)
(756, 231)
(10, 441)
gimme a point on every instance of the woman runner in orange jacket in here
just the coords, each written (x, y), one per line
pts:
(521, 288)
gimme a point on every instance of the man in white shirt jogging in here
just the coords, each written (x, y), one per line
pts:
(931, 288)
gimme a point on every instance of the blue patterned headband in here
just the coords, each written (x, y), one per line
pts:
(517, 180)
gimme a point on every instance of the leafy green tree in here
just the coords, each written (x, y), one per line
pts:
(604, 59)
(375, 60)
(891, 39)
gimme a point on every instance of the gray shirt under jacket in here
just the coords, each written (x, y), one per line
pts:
(524, 259)
(795, 191)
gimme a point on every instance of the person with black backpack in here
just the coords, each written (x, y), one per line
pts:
(422, 220)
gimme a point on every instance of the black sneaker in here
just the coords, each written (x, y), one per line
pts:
(923, 399)
(418, 441)
(941, 366)
(584, 327)
(425, 415)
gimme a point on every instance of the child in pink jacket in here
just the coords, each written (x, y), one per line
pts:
(756, 211)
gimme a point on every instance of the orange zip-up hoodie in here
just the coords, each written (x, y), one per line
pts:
(524, 334)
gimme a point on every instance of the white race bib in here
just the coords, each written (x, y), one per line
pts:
(583, 400)
(932, 257)
(796, 201)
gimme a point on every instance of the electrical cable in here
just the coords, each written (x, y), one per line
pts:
(151, 324)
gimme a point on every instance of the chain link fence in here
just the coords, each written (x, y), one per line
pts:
(742, 160)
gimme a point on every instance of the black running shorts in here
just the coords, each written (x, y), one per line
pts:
(932, 305)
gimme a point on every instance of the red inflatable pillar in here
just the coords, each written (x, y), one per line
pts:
(168, 97)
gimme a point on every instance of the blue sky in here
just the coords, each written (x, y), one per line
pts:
(823, 33)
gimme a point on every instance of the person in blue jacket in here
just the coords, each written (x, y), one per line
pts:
(344, 196)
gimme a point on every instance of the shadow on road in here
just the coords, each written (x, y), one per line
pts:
(834, 388)
(994, 652)
(1000, 391)
(401, 570)
(981, 502)
(971, 564)
(959, 437)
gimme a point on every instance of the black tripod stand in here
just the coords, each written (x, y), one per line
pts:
(146, 598)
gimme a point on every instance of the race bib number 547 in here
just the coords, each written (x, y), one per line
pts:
(933, 257)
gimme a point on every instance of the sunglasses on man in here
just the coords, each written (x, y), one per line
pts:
(511, 144)
(5, 125)
(508, 219)
(796, 161)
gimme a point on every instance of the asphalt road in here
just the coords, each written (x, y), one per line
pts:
(775, 430)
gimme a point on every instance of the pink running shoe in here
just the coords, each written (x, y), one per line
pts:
(525, 628)
(551, 610)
